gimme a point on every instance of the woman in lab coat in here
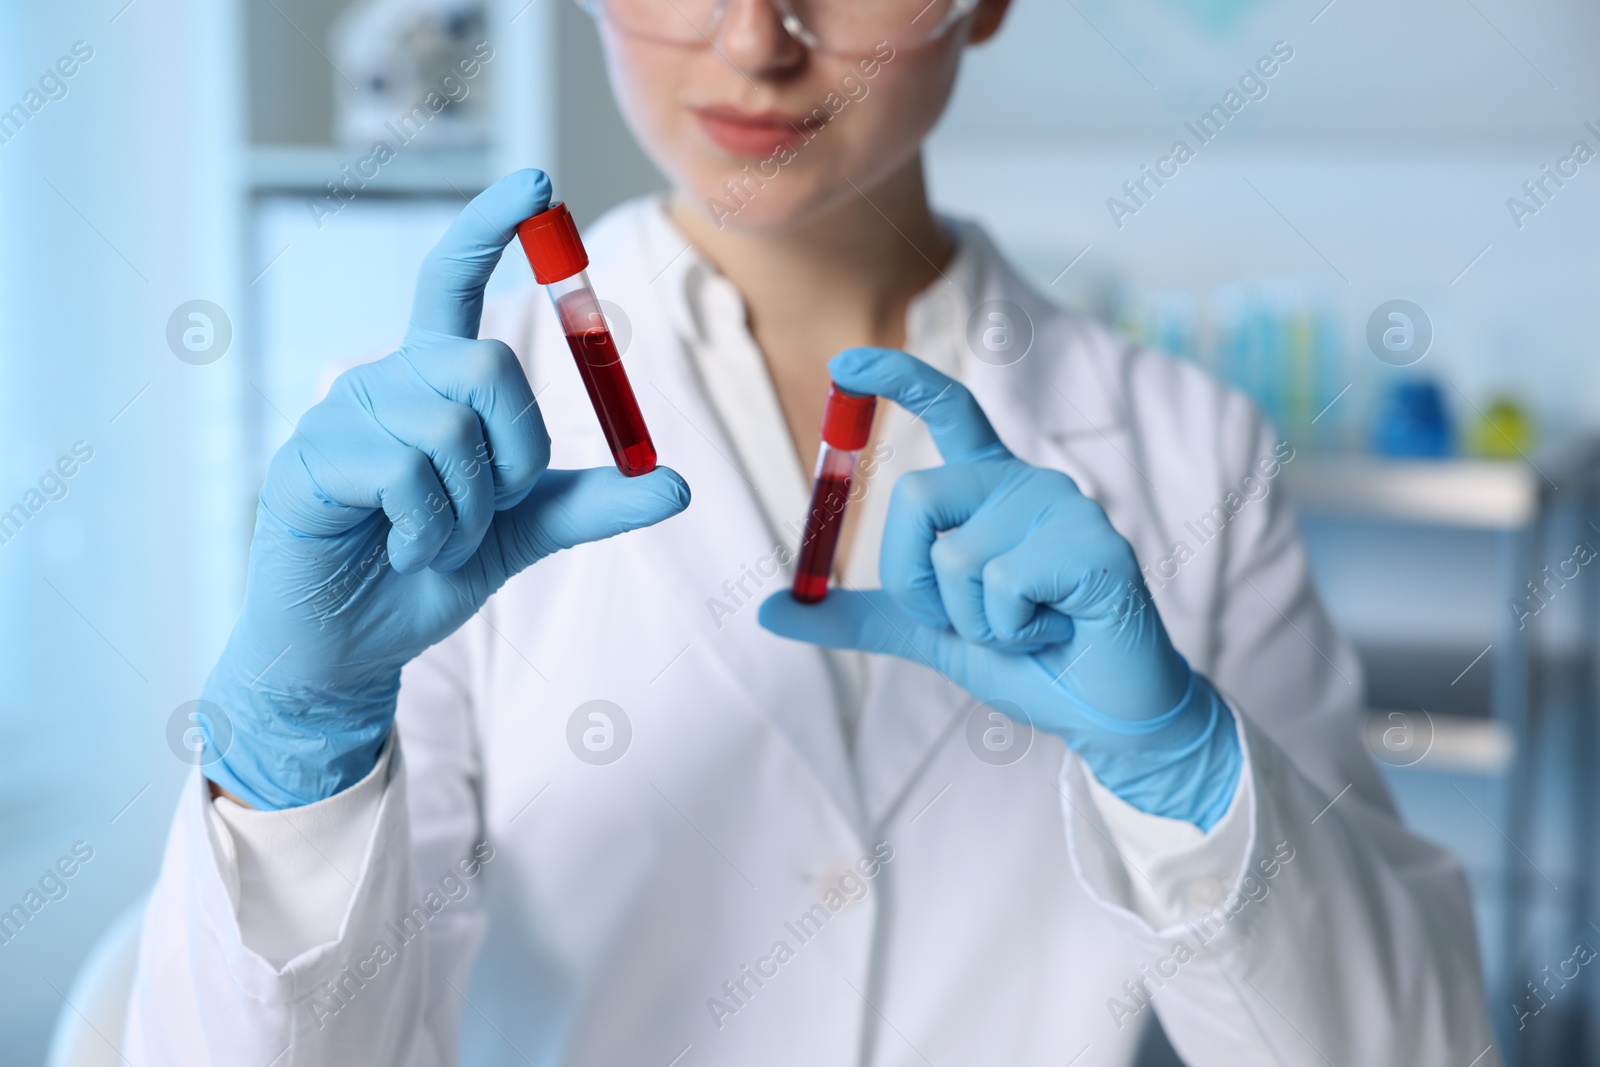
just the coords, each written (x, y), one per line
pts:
(616, 819)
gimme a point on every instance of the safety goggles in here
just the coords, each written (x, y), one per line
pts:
(841, 26)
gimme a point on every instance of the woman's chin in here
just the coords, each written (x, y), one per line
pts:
(762, 211)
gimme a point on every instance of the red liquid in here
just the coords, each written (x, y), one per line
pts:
(820, 539)
(600, 367)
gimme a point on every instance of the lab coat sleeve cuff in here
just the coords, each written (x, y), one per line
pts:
(291, 874)
(1164, 871)
(203, 995)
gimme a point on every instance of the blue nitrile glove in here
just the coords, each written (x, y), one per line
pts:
(1014, 585)
(403, 500)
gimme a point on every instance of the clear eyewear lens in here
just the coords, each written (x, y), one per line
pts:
(846, 26)
(862, 25)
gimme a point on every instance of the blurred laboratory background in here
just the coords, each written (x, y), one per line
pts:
(1392, 243)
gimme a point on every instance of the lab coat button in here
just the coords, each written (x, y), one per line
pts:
(840, 878)
(1203, 894)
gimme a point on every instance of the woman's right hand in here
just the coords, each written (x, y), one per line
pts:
(403, 500)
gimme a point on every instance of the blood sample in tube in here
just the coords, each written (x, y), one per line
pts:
(846, 425)
(560, 264)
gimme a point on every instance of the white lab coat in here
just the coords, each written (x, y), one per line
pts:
(1014, 915)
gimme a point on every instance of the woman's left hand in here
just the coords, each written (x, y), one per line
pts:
(1005, 578)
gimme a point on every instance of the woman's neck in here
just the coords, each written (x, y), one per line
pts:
(844, 278)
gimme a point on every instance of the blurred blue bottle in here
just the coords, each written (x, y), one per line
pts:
(1412, 421)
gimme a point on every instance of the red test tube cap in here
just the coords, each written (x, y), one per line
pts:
(847, 418)
(550, 240)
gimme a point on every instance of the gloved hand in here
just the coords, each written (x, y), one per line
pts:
(403, 500)
(1013, 584)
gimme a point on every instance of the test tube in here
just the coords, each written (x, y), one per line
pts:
(846, 424)
(550, 240)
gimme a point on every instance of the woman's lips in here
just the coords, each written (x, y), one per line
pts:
(747, 133)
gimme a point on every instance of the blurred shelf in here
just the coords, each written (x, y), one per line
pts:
(1494, 494)
(307, 169)
(1486, 494)
(1448, 742)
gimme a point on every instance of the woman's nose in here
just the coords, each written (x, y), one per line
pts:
(752, 37)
